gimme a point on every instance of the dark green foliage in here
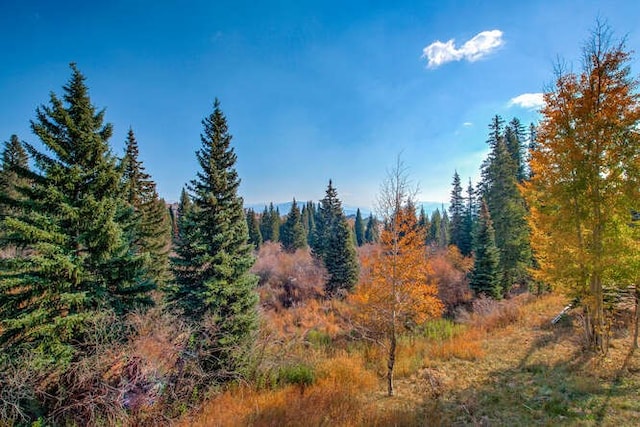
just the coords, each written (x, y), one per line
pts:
(485, 277)
(253, 224)
(500, 175)
(309, 220)
(333, 244)
(79, 231)
(270, 224)
(293, 236)
(468, 220)
(457, 213)
(214, 288)
(443, 230)
(359, 228)
(371, 233)
(435, 224)
(153, 231)
(423, 222)
(514, 136)
(14, 164)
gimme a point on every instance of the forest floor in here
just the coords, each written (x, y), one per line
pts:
(508, 367)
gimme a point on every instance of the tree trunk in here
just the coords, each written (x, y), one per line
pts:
(598, 335)
(391, 361)
(637, 317)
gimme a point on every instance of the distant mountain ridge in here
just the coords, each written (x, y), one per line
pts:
(349, 210)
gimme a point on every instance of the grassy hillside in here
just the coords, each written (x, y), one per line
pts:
(505, 364)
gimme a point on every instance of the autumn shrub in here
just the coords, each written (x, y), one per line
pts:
(287, 279)
(450, 270)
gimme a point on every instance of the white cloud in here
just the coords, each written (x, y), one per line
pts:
(467, 124)
(478, 46)
(532, 101)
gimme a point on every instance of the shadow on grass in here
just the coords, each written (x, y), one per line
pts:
(545, 388)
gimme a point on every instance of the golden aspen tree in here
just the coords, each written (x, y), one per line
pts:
(395, 290)
(585, 182)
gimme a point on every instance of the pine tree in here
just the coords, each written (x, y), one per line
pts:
(153, 234)
(508, 210)
(215, 284)
(78, 225)
(466, 238)
(333, 244)
(485, 277)
(456, 211)
(311, 221)
(253, 224)
(293, 234)
(423, 222)
(435, 224)
(14, 164)
(371, 232)
(443, 231)
(359, 228)
(514, 136)
(265, 225)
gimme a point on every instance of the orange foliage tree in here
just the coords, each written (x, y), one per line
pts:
(586, 181)
(395, 291)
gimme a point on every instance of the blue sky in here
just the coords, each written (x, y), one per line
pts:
(312, 90)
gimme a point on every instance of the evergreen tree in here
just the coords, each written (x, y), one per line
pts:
(79, 227)
(514, 136)
(371, 232)
(466, 240)
(434, 227)
(423, 222)
(456, 210)
(15, 163)
(265, 225)
(311, 221)
(485, 277)
(443, 231)
(153, 234)
(293, 235)
(359, 228)
(508, 211)
(213, 282)
(333, 244)
(253, 224)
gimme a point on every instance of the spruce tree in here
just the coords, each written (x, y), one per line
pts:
(311, 221)
(443, 231)
(466, 241)
(270, 224)
(333, 244)
(77, 223)
(359, 228)
(456, 211)
(293, 235)
(13, 168)
(508, 211)
(435, 224)
(371, 234)
(265, 225)
(485, 277)
(215, 285)
(153, 233)
(253, 224)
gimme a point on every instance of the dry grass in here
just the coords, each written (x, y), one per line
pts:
(505, 366)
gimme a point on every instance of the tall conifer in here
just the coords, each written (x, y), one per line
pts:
(215, 283)
(333, 244)
(77, 224)
(485, 277)
(153, 221)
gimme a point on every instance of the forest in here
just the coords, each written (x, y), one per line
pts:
(516, 305)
